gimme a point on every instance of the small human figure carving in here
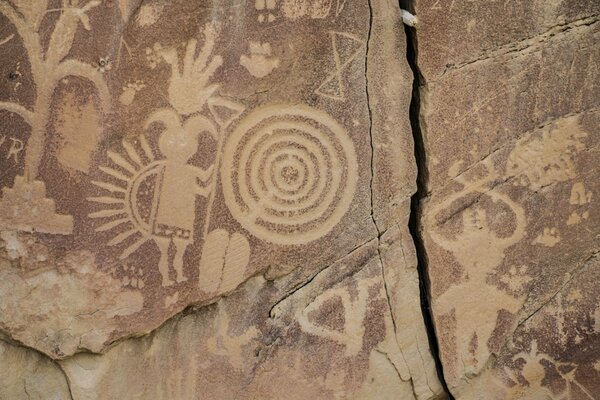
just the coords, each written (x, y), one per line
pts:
(178, 184)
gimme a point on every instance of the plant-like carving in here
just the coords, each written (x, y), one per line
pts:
(48, 67)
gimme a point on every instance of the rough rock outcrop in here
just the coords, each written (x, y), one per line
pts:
(209, 200)
(510, 120)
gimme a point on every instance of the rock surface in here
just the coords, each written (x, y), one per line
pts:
(510, 117)
(215, 199)
(208, 201)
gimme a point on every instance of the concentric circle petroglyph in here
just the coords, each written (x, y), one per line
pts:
(289, 173)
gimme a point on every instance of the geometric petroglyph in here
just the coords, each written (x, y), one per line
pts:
(25, 207)
(223, 262)
(169, 185)
(224, 110)
(354, 310)
(289, 173)
(315, 9)
(346, 48)
(339, 7)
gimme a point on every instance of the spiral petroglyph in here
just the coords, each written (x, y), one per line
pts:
(289, 173)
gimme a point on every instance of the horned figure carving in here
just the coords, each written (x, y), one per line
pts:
(176, 184)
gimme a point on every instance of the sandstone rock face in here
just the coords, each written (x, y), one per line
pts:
(208, 200)
(510, 121)
(219, 200)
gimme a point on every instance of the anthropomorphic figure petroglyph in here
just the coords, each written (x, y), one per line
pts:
(479, 250)
(178, 184)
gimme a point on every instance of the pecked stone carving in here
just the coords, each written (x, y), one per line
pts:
(162, 159)
(509, 115)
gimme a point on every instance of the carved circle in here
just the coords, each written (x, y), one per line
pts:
(289, 173)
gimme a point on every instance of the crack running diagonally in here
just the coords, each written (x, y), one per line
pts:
(416, 200)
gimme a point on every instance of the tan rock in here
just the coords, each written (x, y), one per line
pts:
(510, 116)
(28, 375)
(211, 200)
(242, 348)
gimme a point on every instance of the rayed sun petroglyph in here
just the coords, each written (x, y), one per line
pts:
(25, 206)
(288, 174)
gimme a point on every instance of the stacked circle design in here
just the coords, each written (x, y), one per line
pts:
(289, 173)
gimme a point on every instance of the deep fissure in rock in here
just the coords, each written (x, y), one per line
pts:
(415, 204)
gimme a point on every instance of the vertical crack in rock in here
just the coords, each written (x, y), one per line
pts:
(372, 143)
(421, 193)
(379, 233)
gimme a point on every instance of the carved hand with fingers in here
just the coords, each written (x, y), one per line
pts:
(189, 88)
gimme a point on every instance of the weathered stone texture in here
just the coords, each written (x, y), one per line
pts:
(28, 375)
(208, 200)
(510, 116)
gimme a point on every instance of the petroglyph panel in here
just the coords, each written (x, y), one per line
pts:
(162, 156)
(510, 127)
(191, 202)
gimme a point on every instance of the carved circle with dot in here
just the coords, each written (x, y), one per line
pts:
(289, 173)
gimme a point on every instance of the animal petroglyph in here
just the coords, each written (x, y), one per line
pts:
(479, 250)
(129, 92)
(354, 309)
(549, 237)
(289, 173)
(580, 198)
(47, 69)
(266, 10)
(259, 63)
(346, 48)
